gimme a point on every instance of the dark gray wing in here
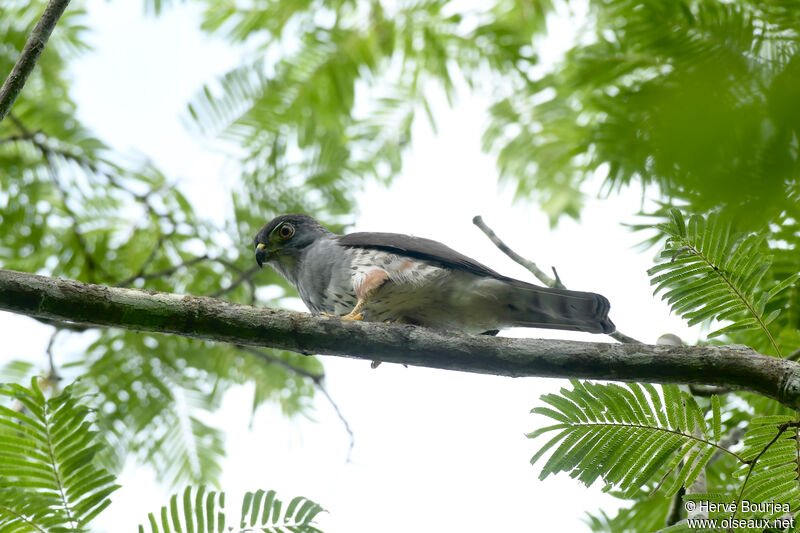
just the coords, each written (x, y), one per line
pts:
(419, 248)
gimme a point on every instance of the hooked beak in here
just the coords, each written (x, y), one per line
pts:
(261, 254)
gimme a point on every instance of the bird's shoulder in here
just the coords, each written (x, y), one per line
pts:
(418, 248)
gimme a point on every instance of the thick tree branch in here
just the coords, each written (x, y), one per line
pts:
(30, 55)
(220, 321)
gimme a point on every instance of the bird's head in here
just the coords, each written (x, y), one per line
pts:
(286, 236)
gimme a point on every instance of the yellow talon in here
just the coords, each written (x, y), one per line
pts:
(348, 316)
(355, 314)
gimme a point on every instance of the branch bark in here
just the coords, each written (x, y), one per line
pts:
(33, 48)
(220, 321)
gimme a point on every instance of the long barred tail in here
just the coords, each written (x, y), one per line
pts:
(528, 305)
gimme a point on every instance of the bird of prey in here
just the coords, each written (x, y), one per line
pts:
(390, 277)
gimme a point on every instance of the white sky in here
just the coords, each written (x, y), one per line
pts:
(435, 450)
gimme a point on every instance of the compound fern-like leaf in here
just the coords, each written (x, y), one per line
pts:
(48, 479)
(628, 435)
(770, 476)
(199, 511)
(712, 273)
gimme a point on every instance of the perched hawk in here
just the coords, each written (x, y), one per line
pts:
(398, 278)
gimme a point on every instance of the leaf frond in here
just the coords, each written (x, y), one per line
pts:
(48, 479)
(627, 434)
(710, 272)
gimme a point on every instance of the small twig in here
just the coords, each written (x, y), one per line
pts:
(731, 439)
(47, 153)
(49, 351)
(752, 462)
(625, 339)
(33, 48)
(540, 275)
(244, 276)
(15, 138)
(271, 359)
(52, 377)
(92, 265)
(161, 273)
(557, 283)
(317, 379)
(150, 258)
(62, 325)
(794, 356)
(675, 513)
(92, 166)
(530, 265)
(346, 425)
(708, 390)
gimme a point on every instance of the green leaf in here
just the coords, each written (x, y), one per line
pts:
(632, 441)
(47, 475)
(204, 512)
(714, 273)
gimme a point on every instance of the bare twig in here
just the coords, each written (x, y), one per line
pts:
(273, 360)
(752, 462)
(52, 372)
(30, 55)
(160, 273)
(317, 379)
(16, 138)
(536, 271)
(243, 277)
(62, 325)
(347, 427)
(675, 512)
(527, 263)
(794, 356)
(707, 390)
(733, 437)
(47, 153)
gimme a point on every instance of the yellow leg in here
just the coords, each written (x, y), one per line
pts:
(355, 314)
(372, 282)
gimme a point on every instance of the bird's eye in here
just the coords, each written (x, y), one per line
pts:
(286, 231)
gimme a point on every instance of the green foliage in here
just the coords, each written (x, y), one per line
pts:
(630, 436)
(204, 512)
(48, 477)
(152, 397)
(648, 514)
(771, 446)
(649, 445)
(72, 207)
(338, 106)
(697, 97)
(711, 272)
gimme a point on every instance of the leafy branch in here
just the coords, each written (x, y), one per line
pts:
(764, 449)
(48, 478)
(633, 436)
(712, 273)
(627, 436)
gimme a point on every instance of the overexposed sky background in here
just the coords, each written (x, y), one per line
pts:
(434, 450)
